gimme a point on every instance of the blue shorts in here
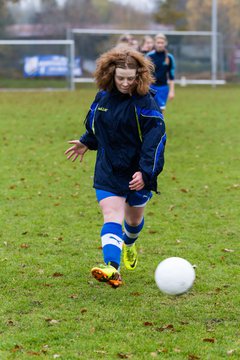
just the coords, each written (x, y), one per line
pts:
(161, 95)
(134, 198)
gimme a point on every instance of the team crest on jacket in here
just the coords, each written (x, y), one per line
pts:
(102, 109)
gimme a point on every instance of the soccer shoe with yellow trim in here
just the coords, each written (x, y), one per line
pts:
(130, 256)
(108, 274)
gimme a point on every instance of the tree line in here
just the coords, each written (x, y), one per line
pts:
(181, 14)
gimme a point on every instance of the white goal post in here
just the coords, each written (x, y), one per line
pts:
(76, 34)
(69, 52)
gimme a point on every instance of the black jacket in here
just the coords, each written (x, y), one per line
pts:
(128, 133)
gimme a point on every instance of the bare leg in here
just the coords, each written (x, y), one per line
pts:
(133, 215)
(113, 209)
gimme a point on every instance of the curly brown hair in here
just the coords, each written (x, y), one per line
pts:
(125, 58)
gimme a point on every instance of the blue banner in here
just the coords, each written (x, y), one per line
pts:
(49, 65)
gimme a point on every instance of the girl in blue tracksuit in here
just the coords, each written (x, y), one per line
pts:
(126, 128)
(164, 71)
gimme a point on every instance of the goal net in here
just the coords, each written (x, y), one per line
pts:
(38, 64)
(192, 51)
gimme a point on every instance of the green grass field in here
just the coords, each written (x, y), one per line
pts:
(50, 222)
(33, 83)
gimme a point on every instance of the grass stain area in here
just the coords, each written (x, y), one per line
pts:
(50, 227)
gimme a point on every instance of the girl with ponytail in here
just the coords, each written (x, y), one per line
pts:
(164, 71)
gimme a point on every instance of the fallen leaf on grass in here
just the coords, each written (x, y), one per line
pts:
(73, 296)
(36, 303)
(148, 323)
(184, 322)
(184, 190)
(100, 352)
(52, 321)
(152, 231)
(11, 187)
(228, 250)
(24, 246)
(33, 353)
(210, 340)
(57, 274)
(136, 293)
(193, 357)
(233, 186)
(45, 349)
(156, 353)
(166, 327)
(10, 323)
(123, 356)
(214, 321)
(230, 352)
(17, 348)
(164, 350)
(43, 234)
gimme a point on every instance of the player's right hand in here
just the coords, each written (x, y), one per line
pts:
(78, 149)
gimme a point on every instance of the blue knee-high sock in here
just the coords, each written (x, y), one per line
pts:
(132, 232)
(111, 236)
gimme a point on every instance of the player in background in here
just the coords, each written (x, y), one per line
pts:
(126, 128)
(146, 44)
(129, 41)
(124, 40)
(164, 72)
(135, 44)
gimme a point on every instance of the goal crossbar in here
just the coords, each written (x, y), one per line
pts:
(37, 42)
(210, 34)
(136, 32)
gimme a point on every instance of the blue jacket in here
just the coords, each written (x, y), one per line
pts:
(128, 133)
(163, 71)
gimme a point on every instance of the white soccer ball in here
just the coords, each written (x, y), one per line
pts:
(174, 276)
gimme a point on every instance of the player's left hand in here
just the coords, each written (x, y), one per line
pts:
(137, 182)
(171, 95)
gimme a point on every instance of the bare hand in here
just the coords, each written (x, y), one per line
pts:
(137, 182)
(78, 149)
(171, 95)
